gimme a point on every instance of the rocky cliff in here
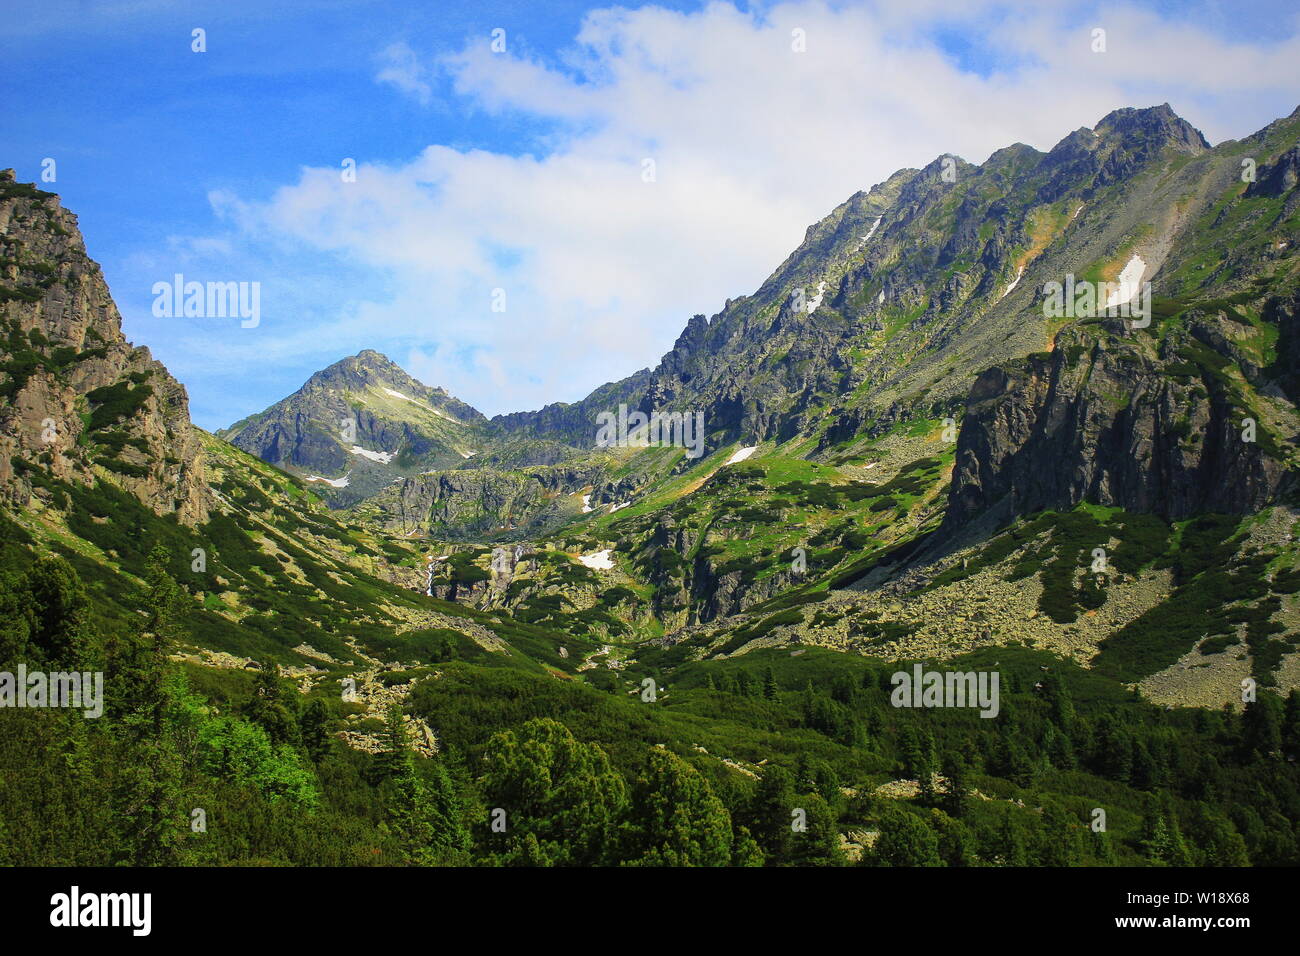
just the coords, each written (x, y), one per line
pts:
(78, 399)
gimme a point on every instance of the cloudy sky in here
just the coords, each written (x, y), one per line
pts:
(611, 170)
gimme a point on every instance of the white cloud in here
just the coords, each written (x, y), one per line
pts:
(751, 142)
(403, 69)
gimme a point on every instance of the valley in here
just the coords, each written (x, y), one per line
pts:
(355, 625)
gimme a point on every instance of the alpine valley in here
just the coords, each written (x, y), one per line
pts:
(371, 625)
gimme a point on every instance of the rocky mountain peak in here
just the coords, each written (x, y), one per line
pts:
(367, 367)
(359, 425)
(1157, 126)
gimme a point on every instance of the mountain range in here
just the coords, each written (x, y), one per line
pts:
(908, 456)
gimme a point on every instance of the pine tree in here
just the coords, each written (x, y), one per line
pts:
(1010, 840)
(1145, 773)
(1059, 701)
(956, 842)
(16, 624)
(1216, 840)
(1062, 837)
(818, 844)
(808, 701)
(407, 814)
(769, 816)
(1101, 847)
(1261, 725)
(424, 816)
(905, 840)
(314, 730)
(676, 819)
(529, 852)
(397, 747)
(270, 708)
(1113, 756)
(917, 752)
(954, 800)
(1291, 725)
(744, 849)
(148, 790)
(451, 838)
(556, 787)
(1162, 840)
(1060, 752)
(58, 613)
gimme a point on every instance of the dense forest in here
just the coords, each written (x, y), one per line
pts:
(202, 766)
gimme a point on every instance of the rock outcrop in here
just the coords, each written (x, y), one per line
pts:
(1103, 421)
(77, 397)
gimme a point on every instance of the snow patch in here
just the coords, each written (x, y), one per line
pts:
(1129, 280)
(740, 454)
(816, 300)
(333, 482)
(872, 231)
(613, 508)
(380, 456)
(600, 560)
(586, 504)
(1014, 282)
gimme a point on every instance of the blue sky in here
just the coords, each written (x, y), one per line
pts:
(523, 170)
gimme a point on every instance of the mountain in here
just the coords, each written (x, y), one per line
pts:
(359, 425)
(101, 465)
(349, 626)
(898, 405)
(911, 280)
(1197, 413)
(886, 313)
(894, 401)
(898, 306)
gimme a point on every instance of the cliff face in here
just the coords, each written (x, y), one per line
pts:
(473, 502)
(77, 398)
(1103, 422)
(1195, 412)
